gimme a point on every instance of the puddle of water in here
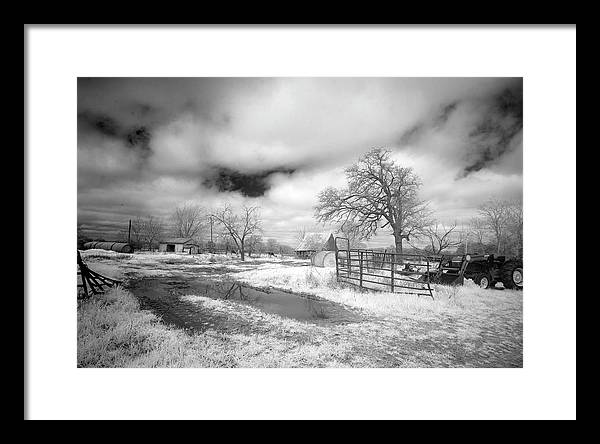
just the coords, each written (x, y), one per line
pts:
(163, 296)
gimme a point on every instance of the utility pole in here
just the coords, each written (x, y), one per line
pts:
(129, 234)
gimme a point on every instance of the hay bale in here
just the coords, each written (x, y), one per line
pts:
(323, 259)
(119, 247)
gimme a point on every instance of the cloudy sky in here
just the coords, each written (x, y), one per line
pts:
(147, 145)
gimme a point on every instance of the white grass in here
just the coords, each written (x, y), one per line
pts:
(112, 331)
(322, 282)
(95, 253)
(464, 326)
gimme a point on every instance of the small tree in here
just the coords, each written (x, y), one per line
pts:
(239, 226)
(515, 227)
(479, 232)
(379, 194)
(136, 232)
(189, 221)
(272, 246)
(145, 232)
(440, 237)
(495, 213)
(152, 229)
(300, 233)
(254, 244)
(224, 241)
(285, 249)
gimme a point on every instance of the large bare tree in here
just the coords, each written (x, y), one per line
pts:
(189, 221)
(239, 226)
(379, 194)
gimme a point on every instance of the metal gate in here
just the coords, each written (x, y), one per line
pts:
(383, 271)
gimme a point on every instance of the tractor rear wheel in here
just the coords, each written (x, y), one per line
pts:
(512, 274)
(484, 280)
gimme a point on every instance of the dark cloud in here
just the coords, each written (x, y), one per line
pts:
(249, 185)
(139, 137)
(134, 137)
(416, 132)
(488, 127)
(444, 115)
(412, 134)
(493, 136)
(101, 123)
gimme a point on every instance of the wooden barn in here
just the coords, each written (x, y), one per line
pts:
(315, 242)
(179, 245)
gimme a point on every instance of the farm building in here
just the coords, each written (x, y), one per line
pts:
(179, 245)
(314, 242)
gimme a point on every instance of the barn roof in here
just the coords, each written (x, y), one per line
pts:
(178, 240)
(311, 240)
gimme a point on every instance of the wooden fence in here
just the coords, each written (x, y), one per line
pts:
(91, 281)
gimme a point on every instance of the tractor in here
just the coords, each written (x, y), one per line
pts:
(486, 270)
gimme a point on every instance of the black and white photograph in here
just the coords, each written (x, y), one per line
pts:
(300, 222)
(303, 217)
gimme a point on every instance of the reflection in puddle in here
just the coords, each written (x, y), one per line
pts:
(163, 296)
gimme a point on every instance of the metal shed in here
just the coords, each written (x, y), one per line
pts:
(179, 245)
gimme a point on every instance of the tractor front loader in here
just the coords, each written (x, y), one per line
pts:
(484, 270)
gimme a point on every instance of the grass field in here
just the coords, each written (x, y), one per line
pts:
(463, 327)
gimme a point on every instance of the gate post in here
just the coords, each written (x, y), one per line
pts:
(337, 266)
(429, 280)
(348, 258)
(392, 267)
(360, 262)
